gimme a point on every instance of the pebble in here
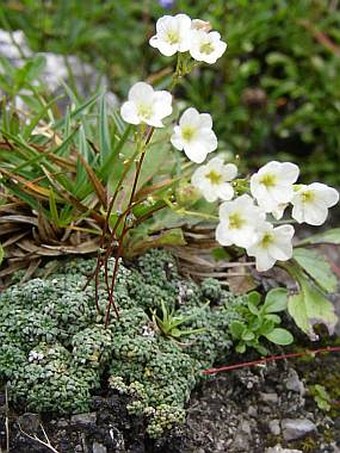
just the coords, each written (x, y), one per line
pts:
(296, 428)
(87, 419)
(98, 448)
(271, 398)
(279, 449)
(274, 426)
(294, 383)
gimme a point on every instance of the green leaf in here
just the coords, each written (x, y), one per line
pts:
(2, 254)
(276, 300)
(254, 297)
(280, 336)
(310, 307)
(237, 328)
(240, 348)
(248, 336)
(331, 236)
(317, 267)
(103, 129)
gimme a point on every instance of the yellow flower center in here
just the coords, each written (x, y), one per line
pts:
(188, 133)
(308, 196)
(172, 37)
(214, 177)
(207, 48)
(144, 111)
(236, 221)
(268, 180)
(267, 240)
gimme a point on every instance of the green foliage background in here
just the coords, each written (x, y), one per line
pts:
(274, 95)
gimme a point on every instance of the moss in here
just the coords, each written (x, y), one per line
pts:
(55, 351)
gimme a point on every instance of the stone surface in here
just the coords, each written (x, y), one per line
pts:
(98, 448)
(87, 419)
(294, 383)
(14, 47)
(270, 398)
(295, 428)
(279, 449)
(274, 426)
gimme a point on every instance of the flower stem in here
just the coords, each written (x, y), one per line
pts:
(272, 358)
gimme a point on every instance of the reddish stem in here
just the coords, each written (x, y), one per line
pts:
(271, 359)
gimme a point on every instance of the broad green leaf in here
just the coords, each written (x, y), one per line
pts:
(280, 336)
(276, 300)
(310, 307)
(317, 267)
(331, 236)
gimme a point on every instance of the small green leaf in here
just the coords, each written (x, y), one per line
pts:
(240, 348)
(276, 300)
(248, 335)
(252, 308)
(254, 297)
(317, 267)
(280, 336)
(237, 328)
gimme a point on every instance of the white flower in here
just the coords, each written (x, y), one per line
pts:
(145, 105)
(211, 180)
(272, 185)
(311, 203)
(194, 135)
(206, 46)
(173, 34)
(239, 221)
(272, 244)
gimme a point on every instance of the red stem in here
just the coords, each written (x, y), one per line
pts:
(271, 359)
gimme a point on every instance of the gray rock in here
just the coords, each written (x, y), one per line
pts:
(88, 419)
(279, 449)
(241, 442)
(14, 47)
(98, 448)
(29, 423)
(252, 411)
(295, 428)
(294, 383)
(245, 427)
(274, 426)
(270, 398)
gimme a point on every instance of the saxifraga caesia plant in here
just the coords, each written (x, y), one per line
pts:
(110, 182)
(251, 210)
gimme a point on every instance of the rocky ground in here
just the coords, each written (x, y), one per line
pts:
(256, 409)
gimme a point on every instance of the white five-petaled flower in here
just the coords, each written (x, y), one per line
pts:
(272, 244)
(194, 135)
(212, 180)
(145, 105)
(311, 203)
(272, 185)
(239, 221)
(173, 34)
(206, 46)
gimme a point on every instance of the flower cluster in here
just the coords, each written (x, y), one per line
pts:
(182, 34)
(244, 221)
(246, 217)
